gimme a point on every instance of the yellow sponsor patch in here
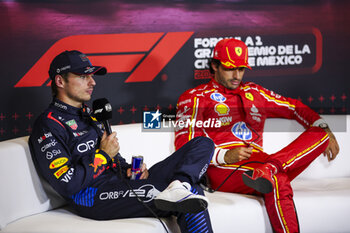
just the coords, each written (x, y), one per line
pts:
(238, 51)
(61, 171)
(221, 109)
(58, 162)
(249, 96)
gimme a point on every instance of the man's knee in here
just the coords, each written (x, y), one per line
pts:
(283, 187)
(204, 141)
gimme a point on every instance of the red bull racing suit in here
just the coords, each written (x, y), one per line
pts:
(64, 146)
(235, 118)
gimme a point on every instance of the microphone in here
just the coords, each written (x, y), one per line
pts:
(103, 112)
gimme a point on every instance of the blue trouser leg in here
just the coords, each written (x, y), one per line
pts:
(114, 199)
(188, 163)
(199, 223)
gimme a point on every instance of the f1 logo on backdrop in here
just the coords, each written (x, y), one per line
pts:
(142, 54)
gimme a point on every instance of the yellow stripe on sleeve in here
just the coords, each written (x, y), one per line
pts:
(194, 113)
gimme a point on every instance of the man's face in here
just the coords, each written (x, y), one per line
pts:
(77, 89)
(229, 78)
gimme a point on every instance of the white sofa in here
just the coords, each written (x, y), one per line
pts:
(321, 193)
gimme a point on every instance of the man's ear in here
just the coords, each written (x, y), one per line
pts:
(59, 81)
(214, 66)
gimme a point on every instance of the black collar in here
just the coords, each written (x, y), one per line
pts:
(63, 107)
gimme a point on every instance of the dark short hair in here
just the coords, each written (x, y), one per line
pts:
(216, 62)
(54, 86)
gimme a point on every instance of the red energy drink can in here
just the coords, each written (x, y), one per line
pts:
(136, 165)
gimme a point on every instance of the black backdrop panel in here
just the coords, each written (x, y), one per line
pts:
(154, 51)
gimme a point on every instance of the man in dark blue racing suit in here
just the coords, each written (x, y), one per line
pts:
(73, 153)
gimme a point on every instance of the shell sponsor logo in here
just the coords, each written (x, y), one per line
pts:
(61, 171)
(221, 109)
(58, 162)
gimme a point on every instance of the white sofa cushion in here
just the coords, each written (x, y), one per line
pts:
(63, 221)
(323, 205)
(22, 193)
(322, 192)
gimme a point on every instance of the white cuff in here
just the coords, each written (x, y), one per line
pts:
(319, 121)
(219, 156)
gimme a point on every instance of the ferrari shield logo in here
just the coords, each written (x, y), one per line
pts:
(249, 96)
(238, 51)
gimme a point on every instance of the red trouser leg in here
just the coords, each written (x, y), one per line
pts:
(294, 158)
(279, 203)
(280, 206)
(290, 161)
(234, 184)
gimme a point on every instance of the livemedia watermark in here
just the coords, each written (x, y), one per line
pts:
(156, 121)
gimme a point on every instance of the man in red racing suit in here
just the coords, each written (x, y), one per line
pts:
(232, 114)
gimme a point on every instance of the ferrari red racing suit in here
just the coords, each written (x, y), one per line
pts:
(235, 118)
